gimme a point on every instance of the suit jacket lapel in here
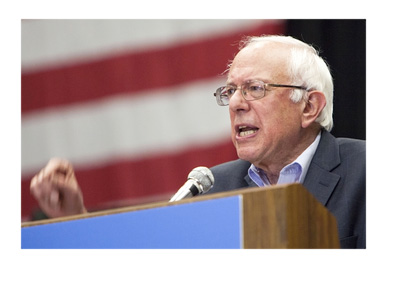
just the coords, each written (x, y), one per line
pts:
(320, 181)
(249, 181)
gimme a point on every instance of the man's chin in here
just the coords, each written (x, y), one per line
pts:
(246, 156)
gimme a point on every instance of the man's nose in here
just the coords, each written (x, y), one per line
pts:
(237, 101)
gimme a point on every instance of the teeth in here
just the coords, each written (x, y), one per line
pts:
(245, 133)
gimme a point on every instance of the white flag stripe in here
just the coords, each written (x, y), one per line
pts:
(125, 100)
(53, 42)
(167, 120)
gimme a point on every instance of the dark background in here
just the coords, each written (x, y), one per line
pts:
(342, 43)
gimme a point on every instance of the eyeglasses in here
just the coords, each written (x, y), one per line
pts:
(251, 90)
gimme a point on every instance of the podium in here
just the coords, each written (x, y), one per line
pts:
(285, 216)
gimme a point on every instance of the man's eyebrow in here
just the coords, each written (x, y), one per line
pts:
(230, 82)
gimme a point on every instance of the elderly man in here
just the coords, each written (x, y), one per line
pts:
(280, 94)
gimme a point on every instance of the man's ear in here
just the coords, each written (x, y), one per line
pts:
(313, 107)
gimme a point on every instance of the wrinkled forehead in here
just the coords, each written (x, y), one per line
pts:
(262, 61)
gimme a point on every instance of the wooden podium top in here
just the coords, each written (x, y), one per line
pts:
(283, 216)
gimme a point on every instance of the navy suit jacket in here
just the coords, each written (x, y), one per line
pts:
(336, 177)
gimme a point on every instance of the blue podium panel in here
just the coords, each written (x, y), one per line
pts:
(206, 224)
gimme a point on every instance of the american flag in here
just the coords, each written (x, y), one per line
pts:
(129, 102)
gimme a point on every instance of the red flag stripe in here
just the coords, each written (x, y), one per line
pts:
(138, 179)
(61, 99)
(129, 72)
(144, 125)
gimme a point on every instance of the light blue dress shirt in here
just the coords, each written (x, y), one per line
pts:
(292, 173)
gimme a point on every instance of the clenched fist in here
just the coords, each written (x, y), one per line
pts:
(56, 189)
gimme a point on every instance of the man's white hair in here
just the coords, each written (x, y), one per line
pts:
(306, 68)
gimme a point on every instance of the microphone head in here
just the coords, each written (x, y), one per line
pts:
(204, 177)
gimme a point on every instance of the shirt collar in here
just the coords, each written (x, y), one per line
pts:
(293, 172)
(305, 158)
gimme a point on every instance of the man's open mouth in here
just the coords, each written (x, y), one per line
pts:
(244, 130)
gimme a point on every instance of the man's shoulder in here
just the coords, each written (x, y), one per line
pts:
(230, 175)
(236, 166)
(345, 147)
(349, 145)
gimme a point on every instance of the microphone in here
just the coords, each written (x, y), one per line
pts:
(199, 181)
